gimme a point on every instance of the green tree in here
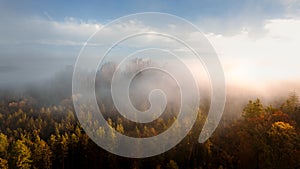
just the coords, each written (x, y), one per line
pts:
(253, 109)
(291, 107)
(291, 104)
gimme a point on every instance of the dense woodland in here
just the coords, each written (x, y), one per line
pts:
(39, 129)
(34, 136)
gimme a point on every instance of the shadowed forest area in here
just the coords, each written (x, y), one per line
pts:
(34, 136)
(40, 130)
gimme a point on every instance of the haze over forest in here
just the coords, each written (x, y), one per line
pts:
(256, 42)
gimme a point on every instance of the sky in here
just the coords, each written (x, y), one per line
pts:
(257, 41)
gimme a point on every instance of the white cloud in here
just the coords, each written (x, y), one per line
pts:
(273, 56)
(37, 30)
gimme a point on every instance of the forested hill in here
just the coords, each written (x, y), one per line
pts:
(33, 136)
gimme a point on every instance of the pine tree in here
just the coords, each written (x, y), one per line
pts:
(20, 156)
(285, 146)
(253, 109)
(41, 153)
(3, 163)
(291, 104)
(3, 145)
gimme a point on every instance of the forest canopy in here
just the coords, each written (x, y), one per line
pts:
(35, 136)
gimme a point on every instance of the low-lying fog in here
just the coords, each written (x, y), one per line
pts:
(59, 87)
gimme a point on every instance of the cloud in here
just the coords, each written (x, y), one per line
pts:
(272, 57)
(36, 30)
(37, 47)
(235, 16)
(6, 69)
(40, 46)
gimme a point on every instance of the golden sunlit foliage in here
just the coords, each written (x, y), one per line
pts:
(34, 136)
